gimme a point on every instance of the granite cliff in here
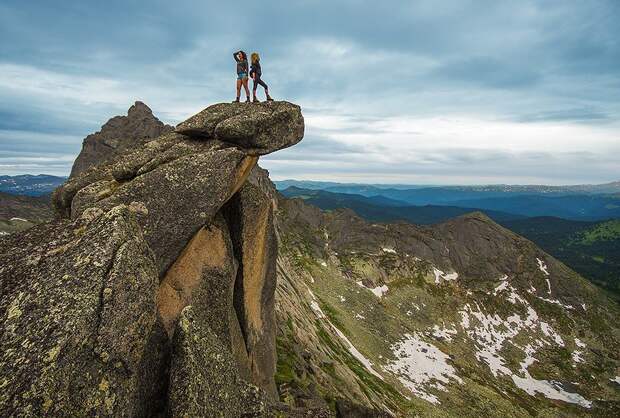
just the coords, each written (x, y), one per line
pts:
(152, 292)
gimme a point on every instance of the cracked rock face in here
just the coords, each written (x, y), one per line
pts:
(113, 308)
(250, 216)
(181, 184)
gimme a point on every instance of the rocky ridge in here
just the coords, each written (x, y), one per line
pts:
(153, 291)
(458, 319)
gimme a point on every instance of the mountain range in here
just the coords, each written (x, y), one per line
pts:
(588, 202)
(595, 257)
(476, 190)
(30, 185)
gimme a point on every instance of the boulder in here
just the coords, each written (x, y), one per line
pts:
(258, 128)
(78, 319)
(181, 181)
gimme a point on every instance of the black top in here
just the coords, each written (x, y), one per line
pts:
(242, 65)
(256, 69)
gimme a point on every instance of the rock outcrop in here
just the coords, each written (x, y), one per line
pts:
(118, 135)
(79, 321)
(203, 375)
(259, 128)
(153, 291)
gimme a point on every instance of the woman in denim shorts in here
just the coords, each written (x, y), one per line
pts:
(242, 75)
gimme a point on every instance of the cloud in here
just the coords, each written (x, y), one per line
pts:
(480, 88)
(583, 115)
(488, 72)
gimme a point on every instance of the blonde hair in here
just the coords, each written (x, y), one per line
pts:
(255, 57)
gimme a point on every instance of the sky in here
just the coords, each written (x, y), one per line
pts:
(408, 92)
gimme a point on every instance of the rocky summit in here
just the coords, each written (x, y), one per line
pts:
(152, 292)
(118, 135)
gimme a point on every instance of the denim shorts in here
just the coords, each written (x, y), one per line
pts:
(242, 76)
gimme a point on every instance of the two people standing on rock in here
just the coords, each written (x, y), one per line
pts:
(255, 72)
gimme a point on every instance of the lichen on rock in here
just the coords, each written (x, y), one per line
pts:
(124, 304)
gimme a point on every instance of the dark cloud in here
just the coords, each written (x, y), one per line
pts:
(66, 67)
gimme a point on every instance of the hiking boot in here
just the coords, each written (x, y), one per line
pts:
(236, 100)
(269, 98)
(255, 100)
(247, 100)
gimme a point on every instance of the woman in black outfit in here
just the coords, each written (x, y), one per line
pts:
(255, 73)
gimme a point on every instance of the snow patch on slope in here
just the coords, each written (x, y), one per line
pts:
(378, 291)
(491, 333)
(443, 333)
(548, 388)
(556, 302)
(421, 366)
(440, 275)
(542, 266)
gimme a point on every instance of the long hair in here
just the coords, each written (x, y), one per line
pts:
(255, 57)
(245, 56)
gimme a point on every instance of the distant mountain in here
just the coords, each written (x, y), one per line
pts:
(590, 248)
(382, 209)
(341, 197)
(30, 185)
(18, 213)
(333, 186)
(447, 192)
(582, 202)
(574, 207)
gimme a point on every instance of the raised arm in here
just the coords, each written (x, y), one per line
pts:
(235, 56)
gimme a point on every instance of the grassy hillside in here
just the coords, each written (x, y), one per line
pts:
(18, 213)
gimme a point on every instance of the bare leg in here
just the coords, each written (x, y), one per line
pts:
(238, 89)
(247, 90)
